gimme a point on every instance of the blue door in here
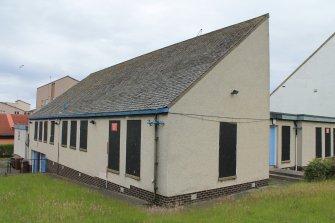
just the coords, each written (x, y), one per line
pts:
(43, 163)
(272, 145)
(36, 162)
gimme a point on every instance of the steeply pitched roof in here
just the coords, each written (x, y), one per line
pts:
(8, 121)
(151, 81)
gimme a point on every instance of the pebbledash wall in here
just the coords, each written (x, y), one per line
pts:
(188, 154)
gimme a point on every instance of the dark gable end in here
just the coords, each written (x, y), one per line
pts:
(151, 81)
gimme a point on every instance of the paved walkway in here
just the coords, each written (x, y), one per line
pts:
(4, 169)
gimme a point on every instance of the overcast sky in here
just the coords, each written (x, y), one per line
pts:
(76, 38)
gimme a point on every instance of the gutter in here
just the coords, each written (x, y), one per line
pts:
(104, 114)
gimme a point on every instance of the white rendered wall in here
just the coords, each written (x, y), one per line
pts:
(311, 89)
(20, 137)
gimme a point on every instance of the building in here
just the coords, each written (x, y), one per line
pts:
(303, 111)
(19, 107)
(52, 90)
(7, 122)
(186, 122)
(21, 141)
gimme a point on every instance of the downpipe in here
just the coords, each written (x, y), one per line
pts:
(156, 160)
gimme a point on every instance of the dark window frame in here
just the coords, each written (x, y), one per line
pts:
(114, 146)
(73, 134)
(227, 163)
(52, 132)
(318, 142)
(83, 136)
(40, 131)
(328, 143)
(285, 143)
(36, 131)
(133, 149)
(64, 136)
(45, 131)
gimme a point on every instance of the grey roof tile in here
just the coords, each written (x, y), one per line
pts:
(150, 81)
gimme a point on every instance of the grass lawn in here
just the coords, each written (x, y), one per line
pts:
(40, 198)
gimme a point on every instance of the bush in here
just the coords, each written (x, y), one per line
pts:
(6, 150)
(320, 170)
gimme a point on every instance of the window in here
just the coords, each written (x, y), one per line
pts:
(133, 148)
(45, 136)
(16, 113)
(40, 131)
(114, 146)
(52, 132)
(36, 131)
(83, 135)
(64, 133)
(327, 142)
(285, 143)
(73, 135)
(227, 149)
(318, 142)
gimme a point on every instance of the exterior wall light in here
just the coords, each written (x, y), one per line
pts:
(234, 92)
(92, 122)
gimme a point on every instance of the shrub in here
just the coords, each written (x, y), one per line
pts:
(6, 150)
(320, 170)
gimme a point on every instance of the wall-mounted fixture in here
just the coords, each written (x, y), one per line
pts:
(315, 90)
(92, 122)
(234, 92)
(56, 123)
(30, 122)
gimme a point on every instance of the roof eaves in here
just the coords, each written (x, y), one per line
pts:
(105, 114)
(301, 117)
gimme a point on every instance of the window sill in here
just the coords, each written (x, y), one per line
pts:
(113, 171)
(132, 176)
(64, 146)
(44, 141)
(51, 143)
(72, 147)
(286, 161)
(83, 150)
(227, 178)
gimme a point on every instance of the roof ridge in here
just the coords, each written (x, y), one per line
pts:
(58, 80)
(304, 62)
(151, 81)
(240, 40)
(6, 103)
(214, 31)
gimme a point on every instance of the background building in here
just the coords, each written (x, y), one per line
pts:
(48, 92)
(7, 123)
(18, 107)
(303, 111)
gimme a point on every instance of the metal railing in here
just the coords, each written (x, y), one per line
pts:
(15, 165)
